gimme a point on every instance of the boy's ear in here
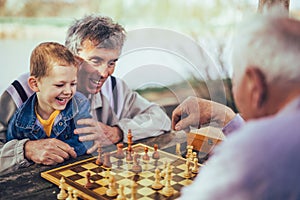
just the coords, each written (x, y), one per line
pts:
(32, 82)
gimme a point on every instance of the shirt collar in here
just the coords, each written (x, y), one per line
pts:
(96, 101)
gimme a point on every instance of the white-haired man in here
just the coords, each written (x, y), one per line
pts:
(259, 160)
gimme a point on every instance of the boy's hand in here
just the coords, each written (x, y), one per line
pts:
(48, 151)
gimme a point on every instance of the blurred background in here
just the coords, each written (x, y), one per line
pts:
(174, 49)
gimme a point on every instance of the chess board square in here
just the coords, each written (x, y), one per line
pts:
(127, 174)
(146, 191)
(185, 182)
(148, 167)
(96, 177)
(67, 173)
(145, 182)
(100, 190)
(90, 166)
(85, 172)
(78, 169)
(127, 190)
(177, 178)
(177, 170)
(167, 160)
(182, 166)
(103, 182)
(146, 174)
(75, 177)
(97, 170)
(125, 182)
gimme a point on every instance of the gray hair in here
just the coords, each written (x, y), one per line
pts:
(102, 31)
(270, 42)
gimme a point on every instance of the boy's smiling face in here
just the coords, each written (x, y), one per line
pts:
(56, 89)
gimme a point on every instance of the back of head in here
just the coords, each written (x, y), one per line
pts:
(48, 54)
(101, 31)
(270, 42)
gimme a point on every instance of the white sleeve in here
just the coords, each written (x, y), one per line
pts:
(145, 119)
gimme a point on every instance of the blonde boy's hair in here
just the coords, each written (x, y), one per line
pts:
(48, 54)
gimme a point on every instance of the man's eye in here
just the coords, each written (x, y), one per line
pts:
(112, 64)
(95, 61)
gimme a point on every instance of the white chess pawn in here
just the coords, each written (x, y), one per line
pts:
(157, 185)
(121, 195)
(195, 168)
(62, 194)
(112, 191)
(70, 194)
(187, 172)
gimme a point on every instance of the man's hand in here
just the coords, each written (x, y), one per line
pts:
(48, 151)
(197, 112)
(98, 132)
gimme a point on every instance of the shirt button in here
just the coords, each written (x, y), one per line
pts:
(60, 123)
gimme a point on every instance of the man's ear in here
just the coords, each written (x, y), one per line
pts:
(32, 82)
(258, 87)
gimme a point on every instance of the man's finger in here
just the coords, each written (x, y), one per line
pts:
(87, 121)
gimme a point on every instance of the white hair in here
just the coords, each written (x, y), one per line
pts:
(270, 42)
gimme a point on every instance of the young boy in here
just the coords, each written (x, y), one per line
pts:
(55, 107)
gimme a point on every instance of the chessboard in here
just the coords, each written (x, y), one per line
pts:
(75, 177)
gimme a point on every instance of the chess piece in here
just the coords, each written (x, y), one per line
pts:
(129, 154)
(88, 183)
(133, 191)
(129, 138)
(178, 151)
(187, 172)
(70, 194)
(106, 162)
(164, 171)
(146, 157)
(156, 184)
(120, 154)
(112, 190)
(155, 154)
(99, 157)
(62, 194)
(121, 195)
(168, 190)
(137, 168)
(195, 168)
(189, 152)
(75, 195)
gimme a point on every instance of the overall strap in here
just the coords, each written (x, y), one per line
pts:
(20, 90)
(114, 92)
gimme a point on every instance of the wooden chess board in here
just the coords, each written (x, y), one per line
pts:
(75, 173)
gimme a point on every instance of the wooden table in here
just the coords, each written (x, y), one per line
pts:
(27, 183)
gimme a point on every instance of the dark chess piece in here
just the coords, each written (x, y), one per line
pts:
(106, 162)
(155, 154)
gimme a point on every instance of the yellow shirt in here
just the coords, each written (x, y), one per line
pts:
(48, 123)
